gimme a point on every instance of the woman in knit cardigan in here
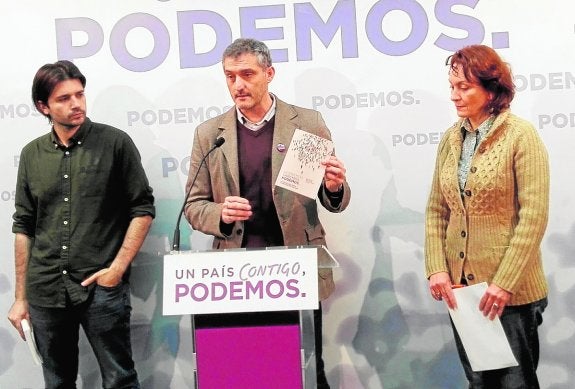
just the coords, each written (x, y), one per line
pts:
(487, 212)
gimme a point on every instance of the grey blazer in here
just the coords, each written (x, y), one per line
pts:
(218, 178)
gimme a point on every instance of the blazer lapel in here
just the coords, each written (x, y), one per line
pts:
(228, 127)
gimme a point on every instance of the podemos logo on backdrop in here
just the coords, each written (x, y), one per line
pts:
(343, 20)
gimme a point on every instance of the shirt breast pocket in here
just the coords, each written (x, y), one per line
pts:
(94, 180)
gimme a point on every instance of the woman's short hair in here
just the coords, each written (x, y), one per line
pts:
(482, 64)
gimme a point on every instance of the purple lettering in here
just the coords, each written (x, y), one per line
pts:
(189, 56)
(181, 291)
(419, 27)
(270, 286)
(201, 288)
(203, 35)
(342, 17)
(219, 291)
(118, 42)
(64, 45)
(292, 287)
(256, 290)
(248, 19)
(236, 290)
(473, 26)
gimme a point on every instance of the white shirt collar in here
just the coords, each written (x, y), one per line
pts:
(267, 117)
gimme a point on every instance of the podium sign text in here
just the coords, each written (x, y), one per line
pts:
(240, 281)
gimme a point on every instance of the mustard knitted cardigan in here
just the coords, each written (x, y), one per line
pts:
(493, 232)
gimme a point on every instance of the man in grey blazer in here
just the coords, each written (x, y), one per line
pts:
(234, 197)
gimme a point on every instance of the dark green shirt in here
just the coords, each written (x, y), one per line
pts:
(76, 203)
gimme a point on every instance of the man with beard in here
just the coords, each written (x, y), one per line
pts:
(83, 209)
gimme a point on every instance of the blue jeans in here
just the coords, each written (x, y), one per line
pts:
(520, 324)
(105, 318)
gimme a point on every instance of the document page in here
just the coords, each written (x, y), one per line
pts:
(302, 171)
(31, 342)
(484, 340)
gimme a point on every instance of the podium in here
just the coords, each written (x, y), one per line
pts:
(252, 313)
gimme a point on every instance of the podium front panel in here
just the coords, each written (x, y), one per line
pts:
(249, 357)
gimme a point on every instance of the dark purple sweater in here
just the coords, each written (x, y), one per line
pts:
(255, 155)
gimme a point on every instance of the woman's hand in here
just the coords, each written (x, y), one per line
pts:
(440, 287)
(494, 301)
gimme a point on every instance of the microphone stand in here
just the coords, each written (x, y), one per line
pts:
(176, 239)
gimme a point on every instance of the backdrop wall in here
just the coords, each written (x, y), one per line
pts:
(375, 69)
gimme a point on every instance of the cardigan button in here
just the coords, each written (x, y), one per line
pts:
(463, 234)
(239, 231)
(470, 277)
(467, 193)
(473, 169)
(462, 255)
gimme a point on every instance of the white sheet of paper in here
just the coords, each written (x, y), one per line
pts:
(301, 170)
(484, 340)
(31, 342)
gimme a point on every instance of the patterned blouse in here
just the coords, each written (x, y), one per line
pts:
(471, 139)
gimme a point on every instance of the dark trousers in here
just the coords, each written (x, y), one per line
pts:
(520, 324)
(105, 318)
